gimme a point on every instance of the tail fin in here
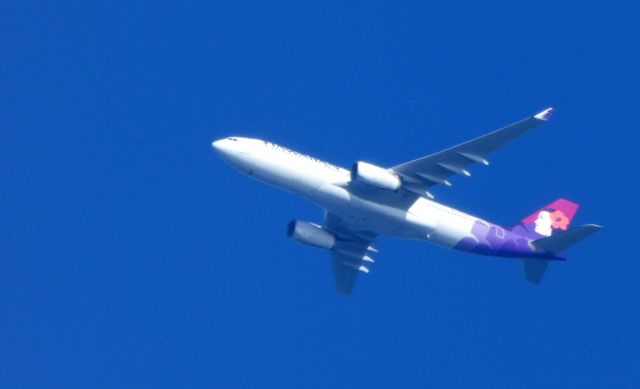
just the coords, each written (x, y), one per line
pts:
(551, 219)
(548, 227)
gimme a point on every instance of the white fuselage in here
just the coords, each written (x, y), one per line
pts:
(361, 209)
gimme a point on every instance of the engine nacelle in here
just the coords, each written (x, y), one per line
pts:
(311, 234)
(375, 177)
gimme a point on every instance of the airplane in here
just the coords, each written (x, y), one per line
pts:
(367, 201)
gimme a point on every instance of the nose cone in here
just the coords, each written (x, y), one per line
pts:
(219, 145)
(241, 153)
(230, 149)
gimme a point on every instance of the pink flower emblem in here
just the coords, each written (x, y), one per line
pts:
(559, 220)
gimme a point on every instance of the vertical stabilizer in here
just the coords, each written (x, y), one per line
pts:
(549, 220)
(548, 231)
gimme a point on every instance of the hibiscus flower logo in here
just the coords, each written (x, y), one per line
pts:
(559, 220)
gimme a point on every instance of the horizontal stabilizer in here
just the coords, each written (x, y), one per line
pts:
(563, 240)
(534, 269)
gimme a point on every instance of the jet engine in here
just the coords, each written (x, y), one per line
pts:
(373, 176)
(311, 234)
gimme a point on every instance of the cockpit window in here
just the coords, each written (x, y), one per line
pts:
(233, 139)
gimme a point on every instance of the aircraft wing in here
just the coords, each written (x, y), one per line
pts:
(422, 173)
(350, 256)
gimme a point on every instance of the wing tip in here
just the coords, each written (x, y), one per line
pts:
(545, 115)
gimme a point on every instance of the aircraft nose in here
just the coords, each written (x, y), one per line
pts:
(218, 145)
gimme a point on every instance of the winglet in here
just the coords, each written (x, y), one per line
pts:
(545, 115)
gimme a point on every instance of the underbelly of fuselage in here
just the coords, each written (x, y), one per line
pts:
(365, 209)
(381, 212)
(395, 214)
(361, 214)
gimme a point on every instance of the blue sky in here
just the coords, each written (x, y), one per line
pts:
(131, 256)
